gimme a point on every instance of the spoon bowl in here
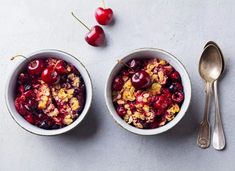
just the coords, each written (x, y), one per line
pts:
(211, 63)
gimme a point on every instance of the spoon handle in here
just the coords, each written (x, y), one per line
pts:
(203, 139)
(218, 134)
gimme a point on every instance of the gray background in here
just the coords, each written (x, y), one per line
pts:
(180, 27)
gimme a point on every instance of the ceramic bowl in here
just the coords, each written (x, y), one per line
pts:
(146, 53)
(11, 87)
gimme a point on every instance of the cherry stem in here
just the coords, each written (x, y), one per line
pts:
(16, 56)
(123, 63)
(103, 4)
(80, 21)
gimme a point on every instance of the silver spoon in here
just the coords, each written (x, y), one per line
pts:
(218, 140)
(210, 68)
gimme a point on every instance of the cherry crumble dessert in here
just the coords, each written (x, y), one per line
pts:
(147, 93)
(50, 93)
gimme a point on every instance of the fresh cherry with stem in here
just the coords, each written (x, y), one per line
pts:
(51, 74)
(34, 67)
(104, 16)
(140, 79)
(60, 67)
(95, 36)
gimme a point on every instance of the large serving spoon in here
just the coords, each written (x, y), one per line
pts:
(218, 139)
(210, 68)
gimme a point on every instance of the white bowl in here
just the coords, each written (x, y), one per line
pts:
(11, 87)
(146, 53)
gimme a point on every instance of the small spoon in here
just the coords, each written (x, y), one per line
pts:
(210, 68)
(218, 140)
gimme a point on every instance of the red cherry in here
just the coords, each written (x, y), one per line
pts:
(166, 92)
(36, 67)
(96, 36)
(161, 103)
(175, 76)
(175, 87)
(23, 78)
(178, 97)
(21, 89)
(118, 84)
(141, 80)
(104, 16)
(121, 111)
(159, 112)
(50, 75)
(29, 118)
(19, 106)
(30, 105)
(61, 67)
(155, 124)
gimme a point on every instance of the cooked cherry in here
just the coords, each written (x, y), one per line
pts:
(155, 124)
(141, 80)
(36, 67)
(23, 78)
(50, 75)
(39, 115)
(167, 70)
(178, 97)
(76, 92)
(19, 106)
(118, 83)
(46, 124)
(21, 89)
(56, 126)
(28, 93)
(159, 112)
(121, 111)
(30, 105)
(175, 87)
(166, 92)
(175, 76)
(29, 118)
(161, 103)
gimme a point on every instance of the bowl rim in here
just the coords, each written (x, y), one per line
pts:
(56, 131)
(134, 129)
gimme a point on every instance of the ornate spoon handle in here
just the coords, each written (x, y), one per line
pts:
(203, 139)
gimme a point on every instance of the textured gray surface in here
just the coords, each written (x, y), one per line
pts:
(181, 27)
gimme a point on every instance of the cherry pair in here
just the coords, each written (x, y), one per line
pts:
(96, 35)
